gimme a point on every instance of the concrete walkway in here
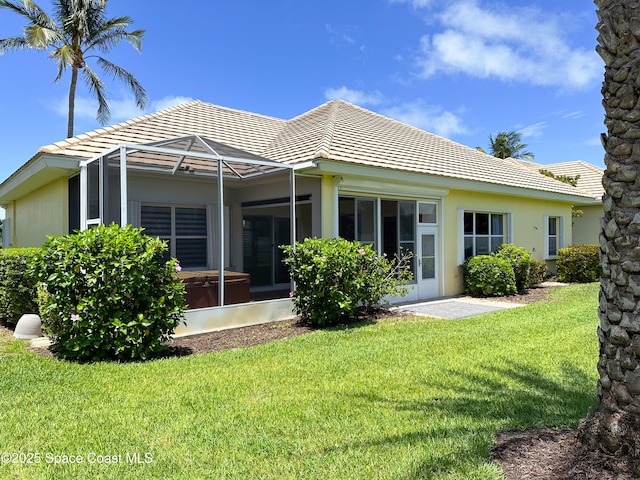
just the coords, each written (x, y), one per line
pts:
(454, 308)
(463, 307)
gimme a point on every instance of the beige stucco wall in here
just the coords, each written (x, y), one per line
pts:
(526, 225)
(586, 229)
(43, 212)
(526, 228)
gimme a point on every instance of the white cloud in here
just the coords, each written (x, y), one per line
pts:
(534, 130)
(357, 97)
(415, 3)
(514, 45)
(123, 108)
(594, 142)
(427, 117)
(168, 102)
(83, 107)
(572, 115)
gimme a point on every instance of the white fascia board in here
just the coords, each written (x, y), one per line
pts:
(40, 170)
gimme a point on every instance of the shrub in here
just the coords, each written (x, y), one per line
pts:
(537, 273)
(489, 275)
(520, 261)
(335, 278)
(106, 293)
(579, 263)
(17, 286)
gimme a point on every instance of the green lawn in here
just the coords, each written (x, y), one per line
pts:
(410, 398)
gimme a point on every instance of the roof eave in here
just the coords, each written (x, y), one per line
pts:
(40, 170)
(334, 167)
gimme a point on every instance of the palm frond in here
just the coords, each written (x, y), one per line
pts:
(97, 88)
(30, 11)
(136, 87)
(12, 44)
(41, 32)
(64, 57)
(108, 38)
(42, 37)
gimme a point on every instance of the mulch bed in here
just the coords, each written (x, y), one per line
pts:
(540, 453)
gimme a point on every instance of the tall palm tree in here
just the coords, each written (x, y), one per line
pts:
(509, 145)
(615, 425)
(76, 28)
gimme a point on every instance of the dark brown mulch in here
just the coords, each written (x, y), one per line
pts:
(239, 337)
(541, 453)
(548, 454)
(216, 341)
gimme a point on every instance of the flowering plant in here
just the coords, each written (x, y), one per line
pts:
(106, 293)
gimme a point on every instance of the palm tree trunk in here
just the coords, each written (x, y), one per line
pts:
(615, 426)
(72, 100)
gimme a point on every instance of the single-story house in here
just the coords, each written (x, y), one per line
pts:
(226, 187)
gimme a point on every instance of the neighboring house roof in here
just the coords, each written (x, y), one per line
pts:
(336, 130)
(590, 180)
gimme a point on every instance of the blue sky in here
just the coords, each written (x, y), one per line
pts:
(463, 69)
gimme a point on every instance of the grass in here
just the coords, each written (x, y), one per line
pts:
(411, 398)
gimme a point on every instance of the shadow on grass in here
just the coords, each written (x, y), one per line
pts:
(492, 399)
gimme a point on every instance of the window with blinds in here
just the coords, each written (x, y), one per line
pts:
(185, 229)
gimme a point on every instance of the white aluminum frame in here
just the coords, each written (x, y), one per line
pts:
(125, 149)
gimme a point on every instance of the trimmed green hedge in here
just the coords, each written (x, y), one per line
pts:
(537, 273)
(579, 263)
(520, 261)
(18, 293)
(489, 275)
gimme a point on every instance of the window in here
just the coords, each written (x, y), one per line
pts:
(358, 219)
(185, 229)
(553, 236)
(483, 232)
(390, 222)
(427, 213)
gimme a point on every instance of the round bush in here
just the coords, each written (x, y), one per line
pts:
(106, 293)
(520, 261)
(488, 275)
(579, 263)
(334, 278)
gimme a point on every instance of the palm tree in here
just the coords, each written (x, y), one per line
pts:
(509, 145)
(615, 425)
(76, 28)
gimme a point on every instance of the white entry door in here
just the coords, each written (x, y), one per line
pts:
(427, 262)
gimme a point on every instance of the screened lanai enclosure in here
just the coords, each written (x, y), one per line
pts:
(223, 211)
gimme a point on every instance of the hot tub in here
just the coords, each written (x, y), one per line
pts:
(202, 287)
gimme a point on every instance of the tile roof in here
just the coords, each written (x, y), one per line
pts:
(590, 180)
(336, 130)
(237, 128)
